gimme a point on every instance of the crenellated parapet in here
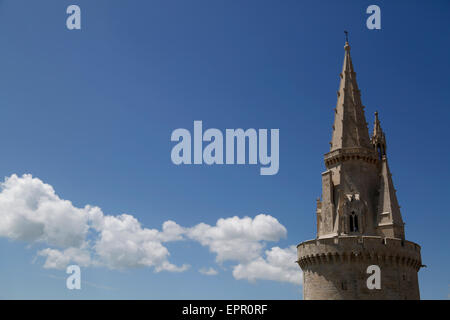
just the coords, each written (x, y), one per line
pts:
(359, 249)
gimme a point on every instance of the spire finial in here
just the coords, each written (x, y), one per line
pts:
(377, 125)
(347, 46)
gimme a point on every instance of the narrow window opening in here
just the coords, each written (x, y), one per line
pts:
(354, 227)
(379, 151)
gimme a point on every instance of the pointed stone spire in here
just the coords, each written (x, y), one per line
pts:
(378, 139)
(390, 221)
(350, 126)
(377, 126)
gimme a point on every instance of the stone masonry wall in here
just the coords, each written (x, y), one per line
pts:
(335, 268)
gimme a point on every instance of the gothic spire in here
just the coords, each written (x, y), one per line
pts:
(377, 126)
(378, 139)
(350, 126)
(390, 220)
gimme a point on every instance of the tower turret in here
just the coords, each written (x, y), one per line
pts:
(390, 222)
(378, 139)
(358, 217)
(348, 205)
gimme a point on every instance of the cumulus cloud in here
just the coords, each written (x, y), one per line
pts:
(59, 259)
(242, 240)
(278, 265)
(238, 239)
(208, 272)
(123, 243)
(31, 211)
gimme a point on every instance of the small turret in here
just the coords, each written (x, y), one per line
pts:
(378, 138)
(390, 222)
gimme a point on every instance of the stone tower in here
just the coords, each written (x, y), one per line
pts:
(359, 223)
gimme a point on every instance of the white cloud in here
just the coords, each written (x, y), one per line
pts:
(279, 265)
(209, 272)
(238, 239)
(242, 240)
(31, 211)
(123, 243)
(57, 259)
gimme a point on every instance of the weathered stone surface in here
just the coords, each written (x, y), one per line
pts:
(335, 268)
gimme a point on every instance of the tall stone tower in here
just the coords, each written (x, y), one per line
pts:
(359, 223)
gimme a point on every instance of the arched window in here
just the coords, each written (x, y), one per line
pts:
(354, 227)
(380, 153)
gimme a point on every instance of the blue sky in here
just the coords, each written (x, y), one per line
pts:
(91, 112)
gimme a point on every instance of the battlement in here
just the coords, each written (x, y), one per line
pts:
(347, 249)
